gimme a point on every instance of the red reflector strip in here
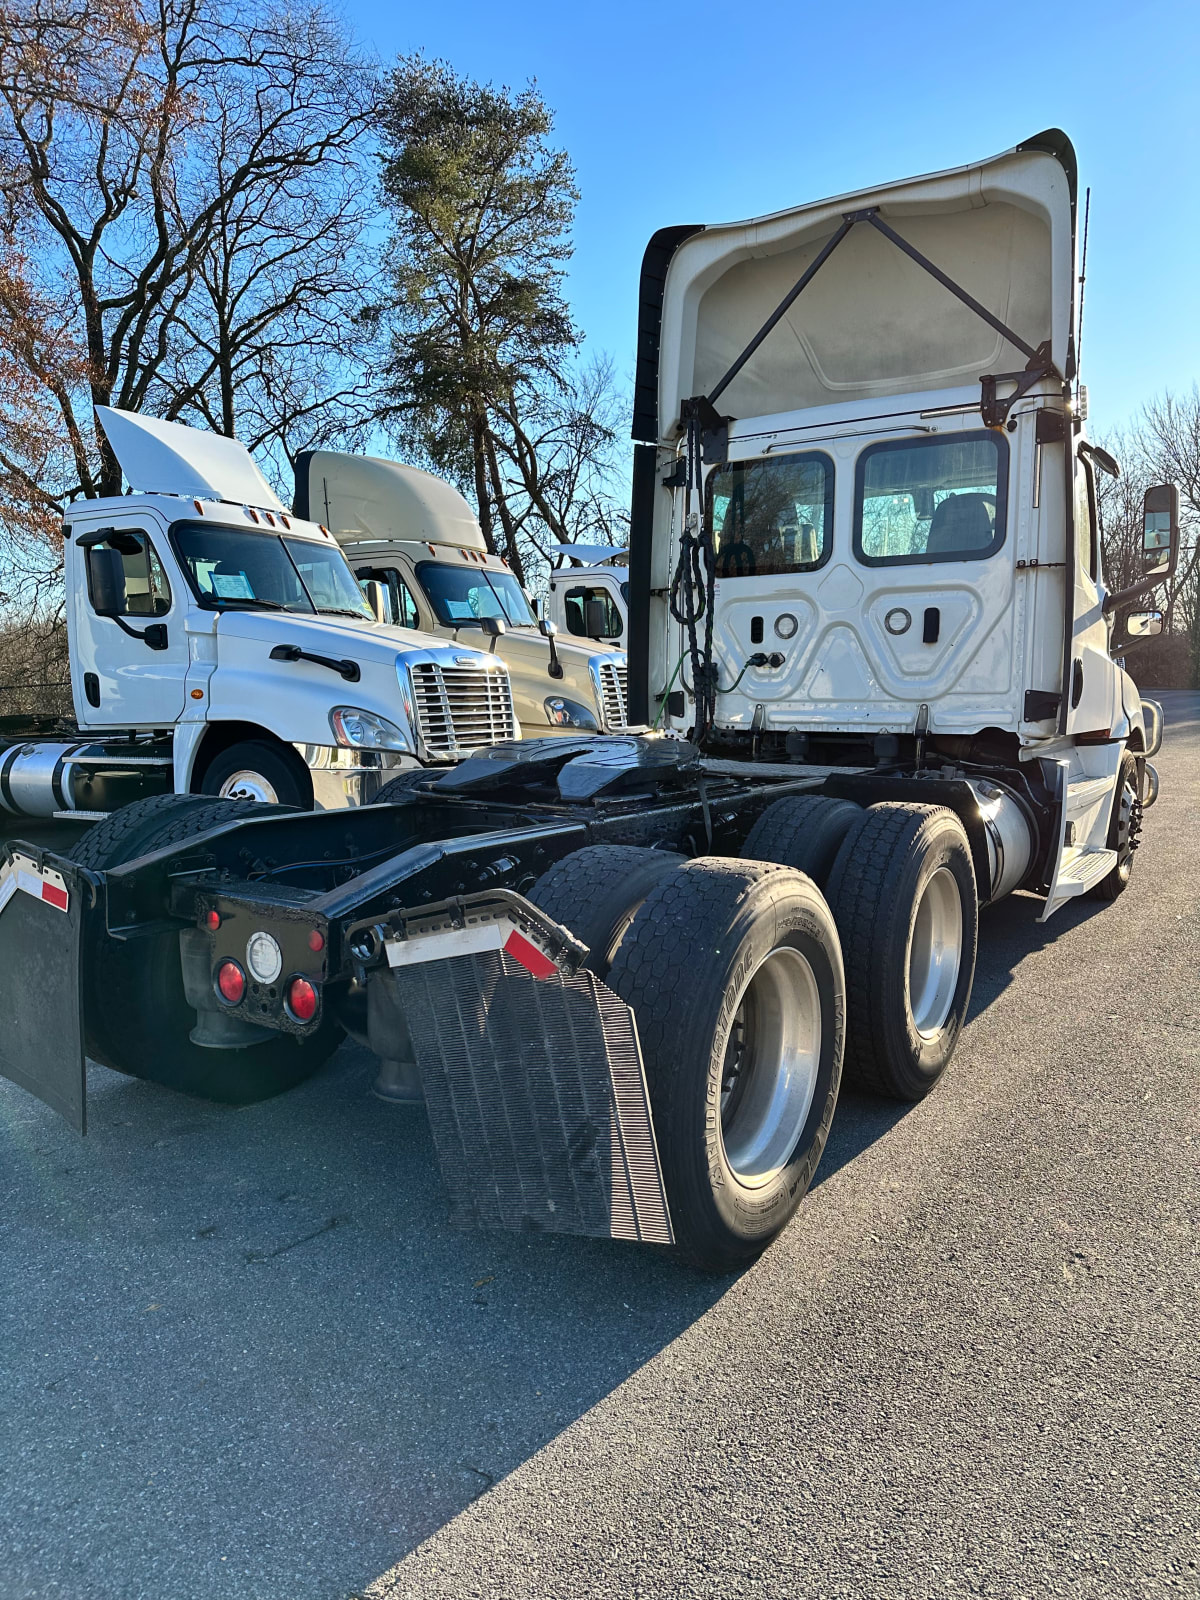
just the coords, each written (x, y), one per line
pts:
(451, 942)
(520, 949)
(21, 873)
(54, 896)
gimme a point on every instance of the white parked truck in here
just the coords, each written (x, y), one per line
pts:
(220, 646)
(626, 974)
(589, 591)
(415, 536)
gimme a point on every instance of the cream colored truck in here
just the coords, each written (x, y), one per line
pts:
(416, 538)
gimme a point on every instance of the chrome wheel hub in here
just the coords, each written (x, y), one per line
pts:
(769, 1076)
(248, 786)
(935, 953)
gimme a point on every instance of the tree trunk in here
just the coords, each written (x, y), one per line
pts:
(511, 549)
(482, 498)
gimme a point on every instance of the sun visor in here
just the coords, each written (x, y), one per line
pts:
(168, 458)
(366, 497)
(872, 321)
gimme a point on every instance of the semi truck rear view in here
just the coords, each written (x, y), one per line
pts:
(870, 635)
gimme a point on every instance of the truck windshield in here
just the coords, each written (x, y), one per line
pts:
(462, 596)
(231, 567)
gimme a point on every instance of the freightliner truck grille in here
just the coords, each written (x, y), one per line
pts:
(461, 708)
(610, 680)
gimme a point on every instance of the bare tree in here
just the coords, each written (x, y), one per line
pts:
(182, 186)
(561, 462)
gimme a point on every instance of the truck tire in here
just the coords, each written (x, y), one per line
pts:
(403, 784)
(804, 831)
(258, 771)
(1123, 829)
(597, 891)
(734, 973)
(137, 1018)
(903, 894)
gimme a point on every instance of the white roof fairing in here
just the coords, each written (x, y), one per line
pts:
(872, 322)
(368, 497)
(169, 458)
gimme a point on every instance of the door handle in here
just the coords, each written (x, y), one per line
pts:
(349, 670)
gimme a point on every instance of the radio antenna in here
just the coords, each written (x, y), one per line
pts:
(1087, 212)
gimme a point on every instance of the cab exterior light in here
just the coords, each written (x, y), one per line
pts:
(355, 729)
(264, 957)
(562, 713)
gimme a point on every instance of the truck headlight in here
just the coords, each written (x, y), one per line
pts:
(363, 730)
(569, 714)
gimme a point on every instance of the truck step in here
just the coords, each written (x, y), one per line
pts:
(115, 759)
(80, 816)
(1082, 869)
(1084, 793)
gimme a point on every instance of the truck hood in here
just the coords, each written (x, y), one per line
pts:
(364, 642)
(872, 322)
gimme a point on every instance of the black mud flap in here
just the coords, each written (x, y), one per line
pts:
(536, 1096)
(43, 902)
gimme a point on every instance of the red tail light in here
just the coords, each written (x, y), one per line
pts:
(302, 999)
(231, 983)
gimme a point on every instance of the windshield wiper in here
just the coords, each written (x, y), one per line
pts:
(217, 602)
(343, 611)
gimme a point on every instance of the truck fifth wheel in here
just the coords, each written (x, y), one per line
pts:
(870, 631)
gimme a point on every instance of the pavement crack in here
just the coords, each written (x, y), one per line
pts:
(253, 1256)
(489, 1481)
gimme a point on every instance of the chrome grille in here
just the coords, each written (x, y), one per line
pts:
(614, 704)
(461, 708)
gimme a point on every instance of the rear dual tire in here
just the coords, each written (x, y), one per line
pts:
(734, 975)
(903, 894)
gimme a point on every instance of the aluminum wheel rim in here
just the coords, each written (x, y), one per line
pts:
(248, 785)
(1125, 813)
(935, 953)
(769, 1076)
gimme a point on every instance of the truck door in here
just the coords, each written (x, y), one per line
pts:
(131, 661)
(1092, 683)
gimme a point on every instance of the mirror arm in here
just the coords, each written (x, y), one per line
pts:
(1150, 581)
(155, 635)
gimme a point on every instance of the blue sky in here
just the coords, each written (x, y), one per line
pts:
(709, 113)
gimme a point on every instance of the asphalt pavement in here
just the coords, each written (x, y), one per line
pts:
(242, 1354)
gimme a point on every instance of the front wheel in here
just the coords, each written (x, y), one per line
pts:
(1124, 827)
(256, 770)
(734, 973)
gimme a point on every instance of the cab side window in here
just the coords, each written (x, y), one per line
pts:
(146, 591)
(401, 603)
(575, 607)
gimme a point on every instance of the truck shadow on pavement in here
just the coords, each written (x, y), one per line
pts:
(246, 1354)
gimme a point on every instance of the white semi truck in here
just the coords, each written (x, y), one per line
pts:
(626, 975)
(416, 536)
(221, 646)
(589, 591)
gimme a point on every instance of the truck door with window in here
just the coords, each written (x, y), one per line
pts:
(129, 641)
